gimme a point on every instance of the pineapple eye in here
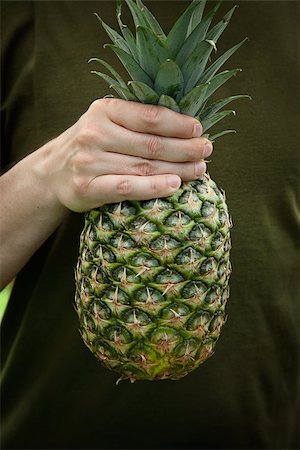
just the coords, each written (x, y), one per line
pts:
(164, 242)
(188, 196)
(223, 217)
(227, 245)
(143, 224)
(208, 209)
(200, 319)
(199, 232)
(202, 187)
(217, 322)
(188, 256)
(158, 203)
(100, 220)
(214, 294)
(193, 289)
(217, 240)
(118, 334)
(102, 252)
(165, 339)
(187, 349)
(219, 194)
(208, 267)
(89, 321)
(116, 295)
(100, 309)
(136, 317)
(92, 234)
(125, 275)
(178, 218)
(169, 276)
(148, 295)
(124, 209)
(222, 269)
(225, 295)
(122, 241)
(145, 260)
(175, 310)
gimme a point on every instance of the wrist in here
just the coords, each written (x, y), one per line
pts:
(41, 165)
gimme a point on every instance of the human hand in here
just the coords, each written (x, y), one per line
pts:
(120, 150)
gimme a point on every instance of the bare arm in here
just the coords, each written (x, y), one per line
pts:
(116, 151)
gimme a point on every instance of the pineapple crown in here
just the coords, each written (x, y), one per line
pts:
(172, 70)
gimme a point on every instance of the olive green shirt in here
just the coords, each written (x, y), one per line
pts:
(55, 394)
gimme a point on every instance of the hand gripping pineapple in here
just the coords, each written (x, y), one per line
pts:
(152, 276)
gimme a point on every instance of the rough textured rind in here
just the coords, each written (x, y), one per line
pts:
(152, 281)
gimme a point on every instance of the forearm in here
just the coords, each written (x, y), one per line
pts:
(29, 214)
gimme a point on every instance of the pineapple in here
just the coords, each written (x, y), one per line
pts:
(152, 276)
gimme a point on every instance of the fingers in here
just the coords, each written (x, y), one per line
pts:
(151, 119)
(126, 187)
(156, 147)
(96, 163)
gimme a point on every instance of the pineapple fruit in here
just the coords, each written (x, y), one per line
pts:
(152, 276)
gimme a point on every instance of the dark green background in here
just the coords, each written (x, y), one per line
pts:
(54, 392)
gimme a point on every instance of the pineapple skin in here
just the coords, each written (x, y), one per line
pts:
(152, 281)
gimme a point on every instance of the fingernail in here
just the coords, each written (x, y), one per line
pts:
(174, 181)
(208, 148)
(197, 130)
(200, 168)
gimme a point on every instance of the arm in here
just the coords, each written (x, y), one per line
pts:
(116, 151)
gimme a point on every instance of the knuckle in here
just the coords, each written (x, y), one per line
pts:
(81, 160)
(144, 168)
(96, 105)
(85, 137)
(124, 187)
(151, 114)
(101, 103)
(154, 147)
(80, 186)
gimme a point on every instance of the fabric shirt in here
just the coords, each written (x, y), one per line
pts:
(55, 394)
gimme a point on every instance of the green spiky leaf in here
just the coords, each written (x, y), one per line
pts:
(197, 35)
(193, 100)
(115, 37)
(143, 92)
(194, 66)
(111, 69)
(169, 79)
(133, 68)
(124, 92)
(138, 16)
(218, 29)
(121, 90)
(222, 133)
(151, 20)
(127, 34)
(178, 33)
(152, 51)
(216, 106)
(219, 79)
(213, 68)
(196, 17)
(215, 118)
(168, 102)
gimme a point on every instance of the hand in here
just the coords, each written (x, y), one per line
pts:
(117, 150)
(120, 150)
